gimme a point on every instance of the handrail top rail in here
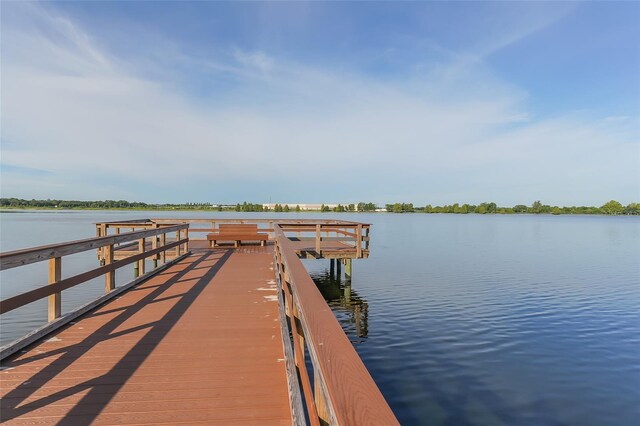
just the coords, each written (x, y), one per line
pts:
(12, 259)
(284, 221)
(124, 221)
(352, 392)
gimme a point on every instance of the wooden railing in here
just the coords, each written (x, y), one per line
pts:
(354, 234)
(343, 391)
(136, 247)
(106, 245)
(350, 233)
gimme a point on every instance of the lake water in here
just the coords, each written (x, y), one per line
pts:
(461, 319)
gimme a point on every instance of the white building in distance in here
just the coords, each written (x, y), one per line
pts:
(303, 206)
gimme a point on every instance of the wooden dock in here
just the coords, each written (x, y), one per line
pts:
(213, 336)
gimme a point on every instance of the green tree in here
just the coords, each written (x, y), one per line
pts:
(298, 208)
(481, 209)
(633, 208)
(536, 206)
(286, 208)
(612, 207)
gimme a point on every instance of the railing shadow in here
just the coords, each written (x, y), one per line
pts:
(99, 395)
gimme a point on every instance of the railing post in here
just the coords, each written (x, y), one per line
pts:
(141, 248)
(366, 246)
(319, 398)
(178, 246)
(318, 239)
(154, 245)
(359, 241)
(186, 237)
(109, 277)
(163, 242)
(55, 274)
(296, 318)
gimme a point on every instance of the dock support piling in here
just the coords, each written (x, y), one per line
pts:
(347, 292)
(338, 269)
(332, 267)
(347, 269)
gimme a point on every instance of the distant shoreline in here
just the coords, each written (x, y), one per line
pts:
(201, 210)
(611, 207)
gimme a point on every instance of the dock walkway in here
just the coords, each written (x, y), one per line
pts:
(233, 336)
(198, 343)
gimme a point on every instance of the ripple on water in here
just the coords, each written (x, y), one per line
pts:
(490, 334)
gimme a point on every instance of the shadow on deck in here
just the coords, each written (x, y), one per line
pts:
(198, 342)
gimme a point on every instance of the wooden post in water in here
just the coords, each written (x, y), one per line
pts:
(332, 267)
(55, 275)
(347, 269)
(338, 269)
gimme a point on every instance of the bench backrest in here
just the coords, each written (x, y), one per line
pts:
(236, 228)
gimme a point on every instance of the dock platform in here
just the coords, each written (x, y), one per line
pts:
(215, 336)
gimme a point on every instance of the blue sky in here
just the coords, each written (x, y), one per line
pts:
(435, 102)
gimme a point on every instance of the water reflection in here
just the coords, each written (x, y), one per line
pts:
(350, 309)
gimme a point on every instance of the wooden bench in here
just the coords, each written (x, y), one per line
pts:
(236, 233)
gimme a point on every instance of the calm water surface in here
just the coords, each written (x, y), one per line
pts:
(461, 319)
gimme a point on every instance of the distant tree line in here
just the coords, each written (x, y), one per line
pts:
(104, 204)
(610, 208)
(249, 207)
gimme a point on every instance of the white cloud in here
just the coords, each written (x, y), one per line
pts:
(616, 118)
(87, 116)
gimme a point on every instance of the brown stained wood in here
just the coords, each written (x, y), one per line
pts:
(55, 299)
(298, 353)
(141, 249)
(110, 276)
(198, 343)
(163, 254)
(22, 299)
(353, 396)
(17, 258)
(46, 329)
(295, 397)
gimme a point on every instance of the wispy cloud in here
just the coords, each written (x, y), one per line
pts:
(92, 117)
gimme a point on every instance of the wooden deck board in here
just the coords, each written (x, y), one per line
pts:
(199, 343)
